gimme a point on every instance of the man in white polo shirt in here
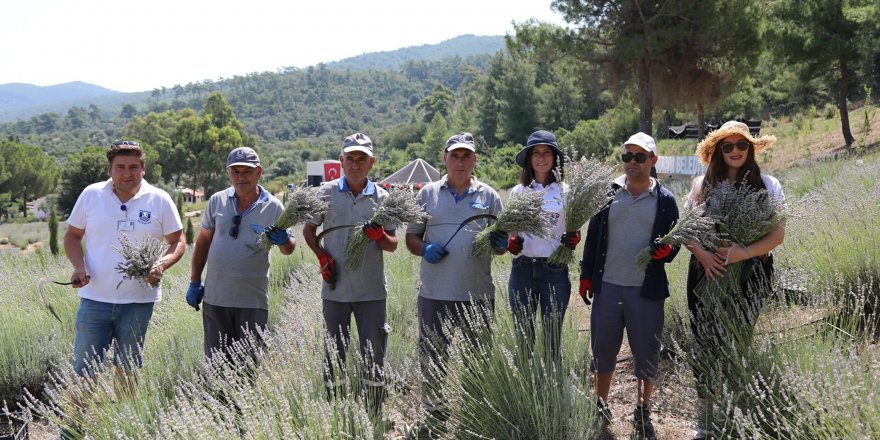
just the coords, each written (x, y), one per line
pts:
(236, 289)
(454, 283)
(112, 307)
(353, 199)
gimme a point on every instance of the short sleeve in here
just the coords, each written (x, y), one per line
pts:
(210, 212)
(696, 187)
(318, 219)
(419, 227)
(774, 188)
(77, 217)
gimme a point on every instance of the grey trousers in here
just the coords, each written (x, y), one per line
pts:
(373, 331)
(224, 326)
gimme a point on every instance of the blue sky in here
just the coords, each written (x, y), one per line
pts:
(135, 46)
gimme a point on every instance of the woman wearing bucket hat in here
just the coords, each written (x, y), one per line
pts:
(533, 280)
(729, 155)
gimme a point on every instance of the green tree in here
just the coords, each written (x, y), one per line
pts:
(53, 232)
(178, 202)
(821, 34)
(659, 44)
(189, 231)
(31, 172)
(438, 102)
(81, 170)
(519, 105)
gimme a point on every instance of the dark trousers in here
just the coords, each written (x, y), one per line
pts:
(723, 325)
(436, 317)
(536, 283)
(373, 330)
(226, 326)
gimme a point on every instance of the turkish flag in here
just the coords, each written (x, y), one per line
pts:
(332, 171)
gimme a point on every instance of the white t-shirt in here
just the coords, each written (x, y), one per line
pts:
(536, 247)
(774, 189)
(151, 212)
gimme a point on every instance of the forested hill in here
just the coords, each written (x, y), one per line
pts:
(461, 46)
(24, 100)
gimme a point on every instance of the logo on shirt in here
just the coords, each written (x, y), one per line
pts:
(144, 216)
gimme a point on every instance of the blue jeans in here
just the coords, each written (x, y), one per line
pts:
(98, 323)
(535, 282)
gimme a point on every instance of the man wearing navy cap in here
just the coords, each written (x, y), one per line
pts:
(454, 283)
(236, 288)
(353, 199)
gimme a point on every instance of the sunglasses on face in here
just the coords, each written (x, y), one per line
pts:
(727, 147)
(235, 222)
(639, 157)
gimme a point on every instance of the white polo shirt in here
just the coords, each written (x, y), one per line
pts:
(150, 213)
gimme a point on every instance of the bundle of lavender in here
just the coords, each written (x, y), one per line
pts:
(587, 194)
(745, 214)
(302, 205)
(399, 207)
(692, 225)
(139, 258)
(524, 213)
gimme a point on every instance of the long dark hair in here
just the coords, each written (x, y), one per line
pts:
(716, 172)
(527, 175)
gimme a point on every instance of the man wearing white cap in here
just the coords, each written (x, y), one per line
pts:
(623, 294)
(236, 288)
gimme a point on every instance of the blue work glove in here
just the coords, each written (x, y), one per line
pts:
(277, 236)
(499, 240)
(194, 294)
(433, 253)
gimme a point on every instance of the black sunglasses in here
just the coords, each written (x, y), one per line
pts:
(727, 147)
(235, 222)
(639, 157)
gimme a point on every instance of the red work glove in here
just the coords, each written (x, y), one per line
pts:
(659, 250)
(514, 245)
(586, 291)
(328, 268)
(571, 239)
(374, 231)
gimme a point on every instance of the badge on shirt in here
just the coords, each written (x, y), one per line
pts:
(125, 225)
(481, 206)
(144, 216)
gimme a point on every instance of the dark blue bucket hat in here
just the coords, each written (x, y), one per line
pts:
(540, 137)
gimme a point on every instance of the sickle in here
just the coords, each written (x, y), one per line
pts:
(41, 286)
(466, 221)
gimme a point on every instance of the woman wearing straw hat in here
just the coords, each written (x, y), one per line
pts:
(729, 155)
(533, 280)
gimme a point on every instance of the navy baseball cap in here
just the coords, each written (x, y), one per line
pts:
(461, 140)
(243, 156)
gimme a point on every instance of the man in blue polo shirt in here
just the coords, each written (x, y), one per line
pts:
(454, 284)
(236, 289)
(362, 292)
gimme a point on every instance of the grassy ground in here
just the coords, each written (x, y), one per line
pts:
(811, 372)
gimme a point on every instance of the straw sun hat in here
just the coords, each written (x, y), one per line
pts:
(707, 147)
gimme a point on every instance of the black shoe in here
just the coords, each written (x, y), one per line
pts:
(602, 422)
(643, 429)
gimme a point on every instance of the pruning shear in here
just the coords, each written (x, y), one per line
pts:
(332, 281)
(465, 222)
